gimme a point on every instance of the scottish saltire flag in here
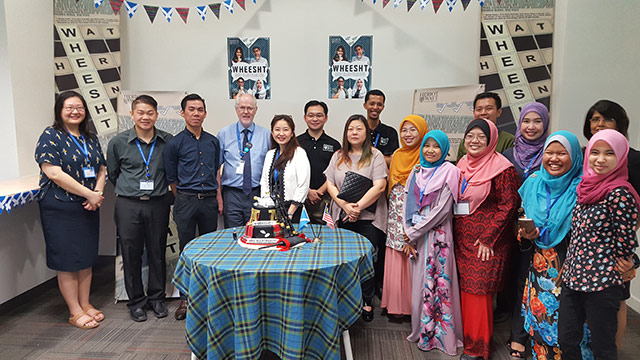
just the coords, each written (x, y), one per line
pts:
(167, 12)
(423, 3)
(481, 2)
(131, 8)
(202, 12)
(229, 5)
(451, 4)
(326, 217)
(97, 3)
(396, 3)
(304, 219)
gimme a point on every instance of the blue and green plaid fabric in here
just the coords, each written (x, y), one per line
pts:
(294, 303)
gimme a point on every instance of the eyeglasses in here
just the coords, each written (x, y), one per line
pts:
(470, 137)
(315, 116)
(606, 120)
(245, 108)
(71, 108)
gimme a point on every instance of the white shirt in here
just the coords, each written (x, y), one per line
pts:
(297, 175)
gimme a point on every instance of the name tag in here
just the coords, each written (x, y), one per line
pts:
(240, 168)
(416, 218)
(327, 147)
(89, 172)
(461, 208)
(146, 184)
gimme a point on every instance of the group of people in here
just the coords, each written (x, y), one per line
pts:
(528, 216)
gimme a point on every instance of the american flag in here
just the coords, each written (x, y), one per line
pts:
(326, 217)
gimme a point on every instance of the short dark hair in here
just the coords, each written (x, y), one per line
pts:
(256, 47)
(316, 103)
(358, 46)
(374, 92)
(58, 123)
(608, 109)
(487, 95)
(190, 97)
(145, 99)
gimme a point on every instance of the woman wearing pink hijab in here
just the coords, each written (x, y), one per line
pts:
(603, 228)
(483, 233)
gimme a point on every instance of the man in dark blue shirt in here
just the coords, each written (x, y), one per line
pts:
(191, 163)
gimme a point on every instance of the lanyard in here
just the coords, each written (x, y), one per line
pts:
(526, 169)
(82, 148)
(544, 233)
(146, 161)
(276, 171)
(247, 147)
(375, 143)
(464, 186)
(422, 194)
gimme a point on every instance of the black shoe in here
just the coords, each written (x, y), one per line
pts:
(469, 357)
(181, 311)
(159, 309)
(138, 314)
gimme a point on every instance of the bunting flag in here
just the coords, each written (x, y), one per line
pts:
(436, 5)
(167, 12)
(241, 3)
(410, 4)
(396, 3)
(131, 8)
(384, 3)
(451, 4)
(97, 3)
(152, 11)
(465, 3)
(423, 4)
(115, 5)
(202, 12)
(481, 3)
(229, 5)
(183, 12)
(215, 8)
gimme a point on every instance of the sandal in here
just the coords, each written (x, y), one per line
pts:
(96, 314)
(367, 316)
(74, 321)
(515, 353)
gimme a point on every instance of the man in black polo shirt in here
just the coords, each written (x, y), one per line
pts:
(135, 167)
(191, 163)
(319, 147)
(383, 137)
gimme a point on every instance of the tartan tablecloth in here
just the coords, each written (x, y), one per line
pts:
(294, 303)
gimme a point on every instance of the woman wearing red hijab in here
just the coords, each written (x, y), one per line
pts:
(483, 232)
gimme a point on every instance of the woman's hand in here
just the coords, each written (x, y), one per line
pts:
(353, 212)
(409, 250)
(530, 235)
(484, 251)
(624, 264)
(93, 202)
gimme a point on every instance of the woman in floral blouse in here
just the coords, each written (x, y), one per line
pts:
(72, 178)
(548, 197)
(602, 230)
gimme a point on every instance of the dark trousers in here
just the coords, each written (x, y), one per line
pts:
(373, 234)
(190, 212)
(523, 260)
(140, 224)
(599, 309)
(237, 205)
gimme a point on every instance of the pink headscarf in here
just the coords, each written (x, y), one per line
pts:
(593, 187)
(479, 171)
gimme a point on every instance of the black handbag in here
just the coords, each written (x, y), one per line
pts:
(354, 188)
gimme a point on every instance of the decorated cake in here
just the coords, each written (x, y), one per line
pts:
(268, 228)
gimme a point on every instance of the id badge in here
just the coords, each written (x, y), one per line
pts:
(461, 208)
(146, 184)
(240, 168)
(416, 218)
(89, 172)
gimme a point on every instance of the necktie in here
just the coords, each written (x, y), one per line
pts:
(246, 174)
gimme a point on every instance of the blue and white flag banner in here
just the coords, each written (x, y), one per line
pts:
(8, 202)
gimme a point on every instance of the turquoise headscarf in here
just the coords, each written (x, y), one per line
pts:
(443, 141)
(562, 193)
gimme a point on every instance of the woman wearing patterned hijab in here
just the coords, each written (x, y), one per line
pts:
(603, 227)
(431, 191)
(396, 291)
(486, 208)
(548, 198)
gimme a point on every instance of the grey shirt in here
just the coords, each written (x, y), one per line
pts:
(126, 167)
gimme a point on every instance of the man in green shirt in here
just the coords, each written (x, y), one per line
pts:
(488, 106)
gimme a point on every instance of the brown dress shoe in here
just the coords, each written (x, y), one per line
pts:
(181, 311)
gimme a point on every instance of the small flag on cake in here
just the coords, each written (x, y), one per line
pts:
(326, 217)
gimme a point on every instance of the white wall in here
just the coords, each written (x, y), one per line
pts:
(8, 162)
(410, 50)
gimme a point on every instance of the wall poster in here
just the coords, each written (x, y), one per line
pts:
(350, 62)
(249, 67)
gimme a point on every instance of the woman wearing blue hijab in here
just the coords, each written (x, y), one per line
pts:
(548, 197)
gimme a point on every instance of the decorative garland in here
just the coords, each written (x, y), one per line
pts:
(10, 201)
(202, 10)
